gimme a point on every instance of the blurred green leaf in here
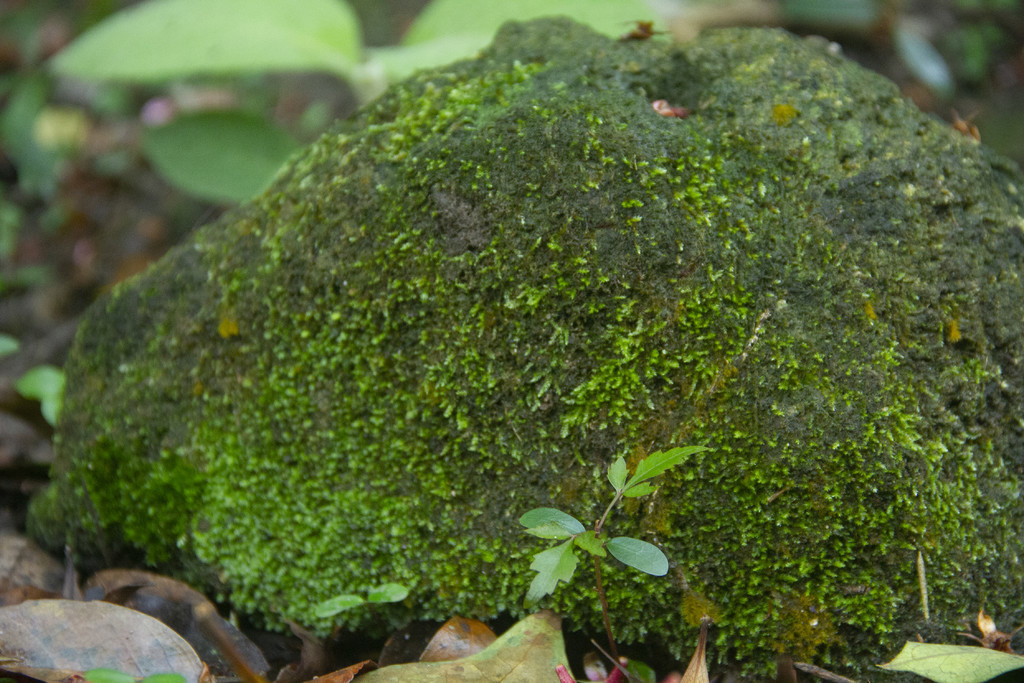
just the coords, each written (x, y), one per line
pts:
(923, 60)
(11, 216)
(161, 40)
(400, 61)
(639, 555)
(108, 676)
(389, 592)
(643, 672)
(847, 14)
(339, 603)
(164, 678)
(219, 155)
(453, 29)
(8, 345)
(37, 165)
(954, 663)
(44, 383)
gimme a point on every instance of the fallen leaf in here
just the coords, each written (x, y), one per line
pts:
(348, 673)
(457, 638)
(23, 563)
(526, 653)
(78, 636)
(953, 663)
(312, 658)
(174, 603)
(697, 671)
(405, 645)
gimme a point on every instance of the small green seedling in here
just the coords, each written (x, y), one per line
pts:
(44, 383)
(389, 592)
(116, 676)
(559, 563)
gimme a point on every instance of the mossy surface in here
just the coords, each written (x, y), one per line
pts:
(468, 300)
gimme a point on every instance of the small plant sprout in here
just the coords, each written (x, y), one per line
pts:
(389, 592)
(559, 563)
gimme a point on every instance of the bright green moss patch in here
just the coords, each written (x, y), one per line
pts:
(468, 300)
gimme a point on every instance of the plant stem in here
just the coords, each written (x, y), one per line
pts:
(599, 524)
(604, 608)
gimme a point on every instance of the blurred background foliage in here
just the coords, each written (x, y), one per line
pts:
(117, 138)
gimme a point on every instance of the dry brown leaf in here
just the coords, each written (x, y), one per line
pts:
(697, 671)
(78, 636)
(23, 563)
(457, 638)
(174, 602)
(347, 674)
(992, 637)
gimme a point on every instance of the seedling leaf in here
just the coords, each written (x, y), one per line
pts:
(164, 678)
(638, 555)
(552, 565)
(548, 520)
(638, 490)
(549, 530)
(339, 603)
(954, 663)
(8, 344)
(660, 461)
(104, 675)
(591, 543)
(44, 383)
(389, 592)
(617, 473)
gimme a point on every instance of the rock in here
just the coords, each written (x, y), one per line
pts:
(503, 274)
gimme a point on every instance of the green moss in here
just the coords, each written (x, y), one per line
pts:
(469, 299)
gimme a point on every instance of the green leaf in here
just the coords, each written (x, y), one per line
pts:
(45, 384)
(541, 521)
(638, 555)
(638, 490)
(400, 61)
(589, 542)
(923, 60)
(659, 462)
(164, 678)
(339, 603)
(617, 473)
(8, 344)
(219, 155)
(954, 663)
(389, 592)
(643, 672)
(102, 675)
(453, 29)
(552, 565)
(166, 39)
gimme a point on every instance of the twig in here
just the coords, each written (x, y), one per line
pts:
(618, 665)
(822, 673)
(922, 581)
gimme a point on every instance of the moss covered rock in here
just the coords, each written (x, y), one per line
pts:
(503, 274)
